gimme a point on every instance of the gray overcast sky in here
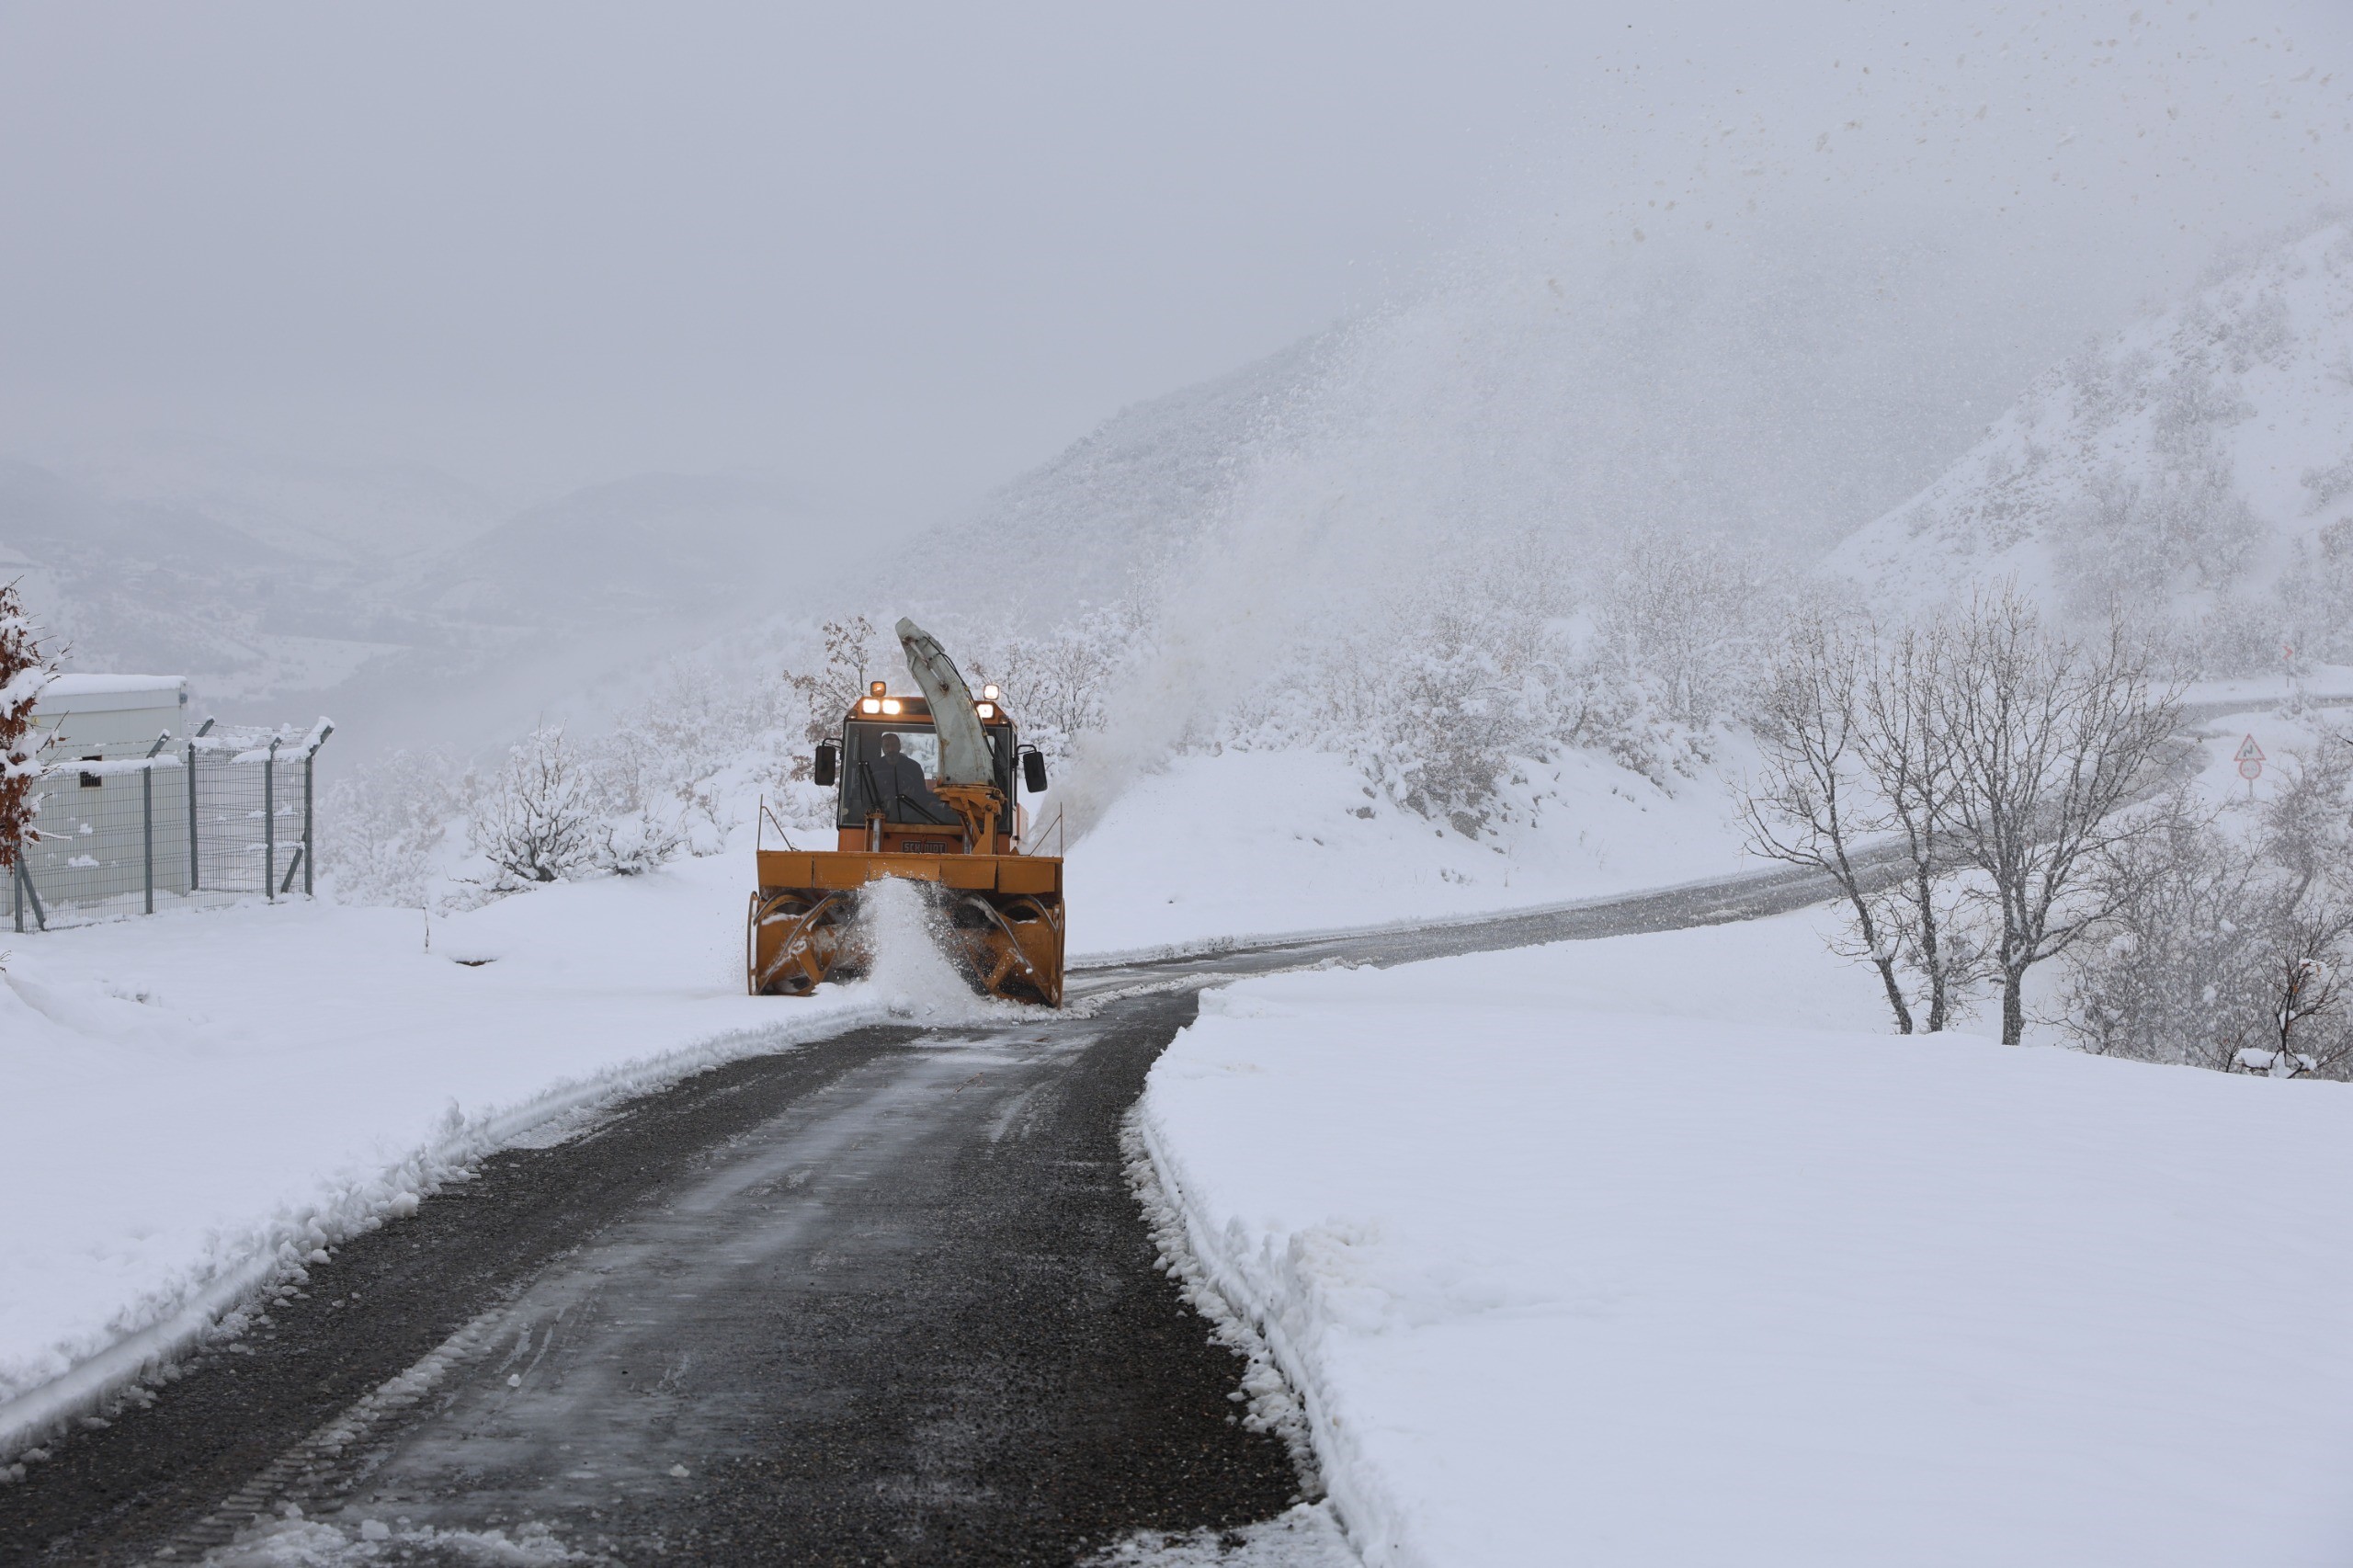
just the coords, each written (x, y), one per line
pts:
(901, 252)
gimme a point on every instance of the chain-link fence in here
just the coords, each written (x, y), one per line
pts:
(217, 815)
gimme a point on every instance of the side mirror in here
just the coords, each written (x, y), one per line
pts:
(829, 758)
(1033, 770)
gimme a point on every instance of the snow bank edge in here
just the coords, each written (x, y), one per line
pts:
(1259, 1327)
(209, 1307)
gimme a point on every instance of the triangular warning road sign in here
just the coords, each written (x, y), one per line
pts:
(2248, 751)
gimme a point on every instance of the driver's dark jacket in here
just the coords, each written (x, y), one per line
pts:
(899, 779)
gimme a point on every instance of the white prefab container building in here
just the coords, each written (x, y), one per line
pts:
(112, 715)
(107, 833)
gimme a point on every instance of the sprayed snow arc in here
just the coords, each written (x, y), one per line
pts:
(914, 977)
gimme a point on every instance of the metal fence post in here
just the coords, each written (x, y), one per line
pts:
(310, 780)
(147, 816)
(310, 855)
(193, 876)
(27, 892)
(269, 822)
(15, 887)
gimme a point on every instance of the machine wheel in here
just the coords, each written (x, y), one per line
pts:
(1024, 909)
(999, 956)
(804, 949)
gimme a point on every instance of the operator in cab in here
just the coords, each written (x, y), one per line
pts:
(900, 784)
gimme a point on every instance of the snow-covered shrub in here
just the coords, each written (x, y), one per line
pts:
(638, 841)
(2317, 594)
(2170, 975)
(538, 819)
(1445, 715)
(1057, 681)
(2140, 538)
(2329, 484)
(2230, 949)
(25, 670)
(1680, 616)
(384, 829)
(1468, 688)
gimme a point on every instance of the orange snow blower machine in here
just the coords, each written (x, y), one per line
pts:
(925, 793)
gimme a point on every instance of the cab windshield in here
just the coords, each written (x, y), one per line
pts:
(891, 767)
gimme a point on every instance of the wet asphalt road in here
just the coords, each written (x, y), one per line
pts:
(886, 1299)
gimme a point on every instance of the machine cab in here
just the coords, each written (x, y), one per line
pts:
(885, 769)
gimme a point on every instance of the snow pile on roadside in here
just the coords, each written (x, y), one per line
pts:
(198, 1101)
(1305, 1536)
(1570, 1255)
(298, 1542)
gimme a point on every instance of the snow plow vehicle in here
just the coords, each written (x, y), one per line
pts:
(925, 793)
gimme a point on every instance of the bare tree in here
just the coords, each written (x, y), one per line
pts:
(1854, 752)
(2304, 1028)
(2051, 740)
(1909, 753)
(2299, 1023)
(25, 670)
(2229, 950)
(1811, 807)
(849, 645)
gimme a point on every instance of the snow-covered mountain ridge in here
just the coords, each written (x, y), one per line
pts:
(2193, 472)
(393, 595)
(1090, 525)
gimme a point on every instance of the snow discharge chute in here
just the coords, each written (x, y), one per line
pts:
(924, 791)
(963, 748)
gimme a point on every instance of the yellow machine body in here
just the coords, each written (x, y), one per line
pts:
(997, 908)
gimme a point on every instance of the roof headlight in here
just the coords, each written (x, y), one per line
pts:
(869, 704)
(985, 709)
(890, 705)
(991, 692)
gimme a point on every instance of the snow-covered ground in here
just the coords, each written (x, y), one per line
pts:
(1249, 843)
(197, 1098)
(204, 1096)
(200, 1098)
(1642, 1250)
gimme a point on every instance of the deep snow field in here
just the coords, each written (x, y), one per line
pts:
(1656, 1250)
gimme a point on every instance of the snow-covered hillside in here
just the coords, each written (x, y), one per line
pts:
(417, 608)
(1097, 521)
(652, 544)
(2195, 469)
(1778, 387)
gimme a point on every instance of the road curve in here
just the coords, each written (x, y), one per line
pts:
(883, 1299)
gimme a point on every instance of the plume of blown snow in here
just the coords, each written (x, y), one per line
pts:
(911, 973)
(1763, 309)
